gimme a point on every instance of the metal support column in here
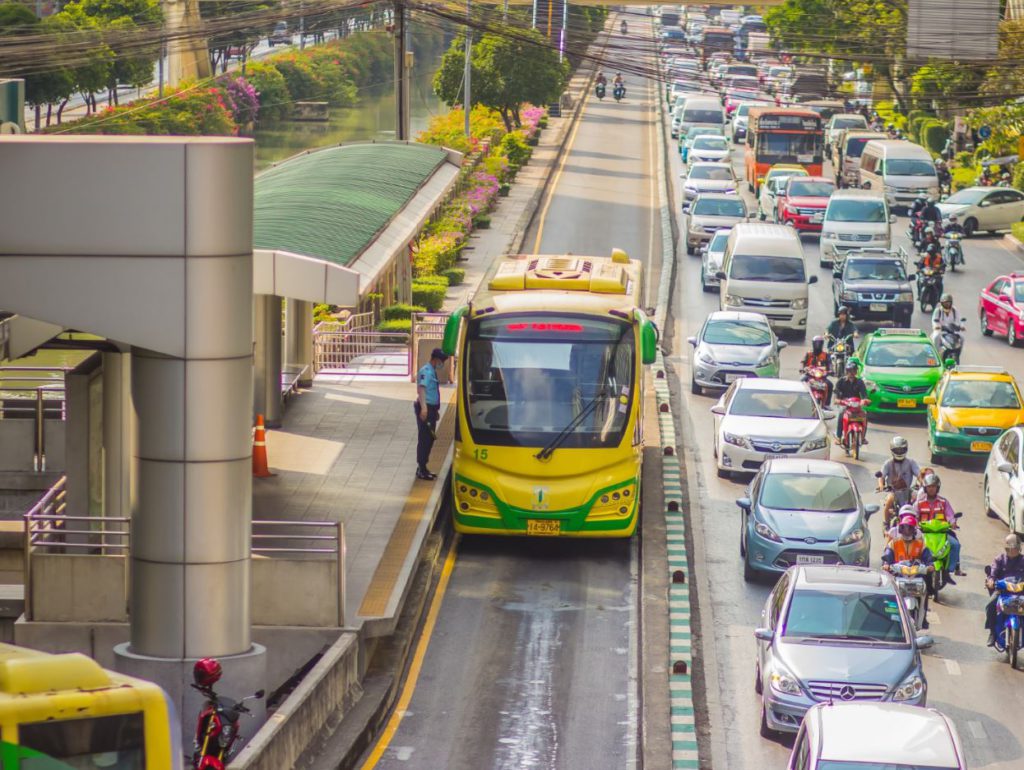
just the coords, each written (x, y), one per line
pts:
(298, 348)
(267, 350)
(118, 417)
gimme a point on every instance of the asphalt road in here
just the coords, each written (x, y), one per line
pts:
(968, 681)
(533, 661)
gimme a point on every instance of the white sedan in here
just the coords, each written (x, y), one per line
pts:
(708, 148)
(985, 208)
(708, 177)
(1004, 480)
(760, 419)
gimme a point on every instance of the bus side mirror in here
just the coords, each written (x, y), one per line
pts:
(648, 338)
(451, 331)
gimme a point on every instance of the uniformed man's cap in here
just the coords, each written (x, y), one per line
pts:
(439, 354)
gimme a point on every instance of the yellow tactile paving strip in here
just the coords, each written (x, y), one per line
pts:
(378, 593)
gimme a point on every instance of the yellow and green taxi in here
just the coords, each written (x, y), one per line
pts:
(900, 367)
(971, 407)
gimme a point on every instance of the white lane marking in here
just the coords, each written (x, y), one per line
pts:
(977, 730)
(952, 667)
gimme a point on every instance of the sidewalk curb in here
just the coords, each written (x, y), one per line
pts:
(1014, 243)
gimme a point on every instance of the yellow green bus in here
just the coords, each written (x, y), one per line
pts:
(63, 712)
(550, 373)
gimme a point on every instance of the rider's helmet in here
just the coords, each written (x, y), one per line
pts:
(907, 510)
(930, 200)
(843, 311)
(930, 230)
(919, 201)
(946, 299)
(908, 524)
(206, 672)
(817, 344)
(953, 219)
(851, 366)
(1005, 175)
(932, 480)
(898, 446)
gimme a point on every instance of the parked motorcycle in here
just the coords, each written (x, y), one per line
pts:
(855, 424)
(936, 538)
(912, 583)
(839, 352)
(929, 288)
(599, 90)
(954, 252)
(217, 729)
(817, 381)
(619, 93)
(1009, 610)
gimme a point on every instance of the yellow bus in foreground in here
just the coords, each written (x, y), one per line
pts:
(59, 712)
(549, 438)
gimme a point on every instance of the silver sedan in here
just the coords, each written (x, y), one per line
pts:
(733, 344)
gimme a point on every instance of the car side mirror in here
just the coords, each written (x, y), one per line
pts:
(692, 341)
(752, 215)
(720, 275)
(718, 409)
(912, 277)
(764, 634)
(812, 279)
(924, 641)
(870, 510)
(744, 503)
(949, 363)
(958, 515)
(929, 399)
(865, 185)
(828, 414)
(892, 219)
(1005, 468)
(782, 344)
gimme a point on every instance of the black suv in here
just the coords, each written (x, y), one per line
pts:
(875, 287)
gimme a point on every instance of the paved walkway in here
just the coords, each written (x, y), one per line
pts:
(346, 449)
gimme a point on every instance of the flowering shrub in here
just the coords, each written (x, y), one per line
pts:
(188, 111)
(436, 253)
(241, 99)
(270, 87)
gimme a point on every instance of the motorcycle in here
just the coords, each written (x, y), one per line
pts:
(217, 728)
(623, 27)
(929, 288)
(855, 423)
(619, 92)
(954, 252)
(936, 538)
(894, 500)
(839, 353)
(817, 381)
(951, 342)
(599, 90)
(1009, 610)
(915, 231)
(912, 583)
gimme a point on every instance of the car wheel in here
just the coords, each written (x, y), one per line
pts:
(1011, 334)
(934, 457)
(983, 322)
(758, 685)
(766, 731)
(987, 500)
(695, 389)
(1011, 516)
(749, 575)
(970, 227)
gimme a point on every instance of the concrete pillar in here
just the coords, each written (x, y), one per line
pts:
(81, 442)
(267, 378)
(299, 338)
(118, 427)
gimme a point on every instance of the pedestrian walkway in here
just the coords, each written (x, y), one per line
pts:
(346, 449)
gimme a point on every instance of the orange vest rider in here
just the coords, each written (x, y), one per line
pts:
(815, 359)
(904, 551)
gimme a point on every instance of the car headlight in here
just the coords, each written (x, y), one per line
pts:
(880, 237)
(828, 234)
(800, 303)
(911, 687)
(945, 426)
(815, 443)
(733, 301)
(871, 386)
(705, 356)
(784, 682)
(855, 536)
(848, 296)
(766, 532)
(735, 439)
(906, 296)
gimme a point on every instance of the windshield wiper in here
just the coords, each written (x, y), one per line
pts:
(841, 638)
(557, 441)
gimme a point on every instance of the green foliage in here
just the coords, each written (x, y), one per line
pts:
(437, 252)
(944, 81)
(1018, 176)
(129, 63)
(963, 177)
(186, 112)
(934, 134)
(1017, 230)
(300, 77)
(400, 310)
(1007, 124)
(275, 100)
(456, 275)
(513, 146)
(914, 127)
(429, 295)
(396, 325)
(322, 312)
(432, 280)
(964, 159)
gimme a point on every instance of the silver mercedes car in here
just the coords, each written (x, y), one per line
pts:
(733, 344)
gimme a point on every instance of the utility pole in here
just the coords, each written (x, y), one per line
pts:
(302, 26)
(402, 71)
(467, 101)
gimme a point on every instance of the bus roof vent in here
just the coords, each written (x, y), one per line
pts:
(609, 278)
(565, 273)
(51, 673)
(510, 275)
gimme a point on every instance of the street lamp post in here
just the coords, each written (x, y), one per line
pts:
(467, 72)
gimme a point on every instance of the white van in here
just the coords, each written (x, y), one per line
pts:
(855, 219)
(899, 169)
(701, 111)
(763, 271)
(847, 153)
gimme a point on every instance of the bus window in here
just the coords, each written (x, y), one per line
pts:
(791, 148)
(115, 742)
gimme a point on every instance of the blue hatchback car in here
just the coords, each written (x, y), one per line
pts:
(802, 512)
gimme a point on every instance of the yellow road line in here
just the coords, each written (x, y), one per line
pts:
(417, 662)
(558, 174)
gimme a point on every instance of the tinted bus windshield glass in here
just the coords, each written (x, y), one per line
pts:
(786, 148)
(527, 377)
(719, 40)
(112, 741)
(748, 267)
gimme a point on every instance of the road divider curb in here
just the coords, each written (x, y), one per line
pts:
(685, 752)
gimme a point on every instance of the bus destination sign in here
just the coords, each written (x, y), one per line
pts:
(788, 123)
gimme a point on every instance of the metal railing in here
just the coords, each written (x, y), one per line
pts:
(332, 342)
(363, 353)
(427, 328)
(22, 397)
(47, 526)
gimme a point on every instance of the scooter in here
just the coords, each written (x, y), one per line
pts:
(619, 92)
(936, 538)
(954, 252)
(915, 231)
(894, 500)
(1009, 610)
(623, 28)
(817, 381)
(951, 342)
(929, 288)
(855, 424)
(911, 582)
(217, 728)
(599, 90)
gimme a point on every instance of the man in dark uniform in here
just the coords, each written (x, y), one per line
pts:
(427, 408)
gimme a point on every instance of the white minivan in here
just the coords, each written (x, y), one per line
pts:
(898, 169)
(763, 271)
(854, 219)
(701, 111)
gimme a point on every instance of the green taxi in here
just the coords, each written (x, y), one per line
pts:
(899, 367)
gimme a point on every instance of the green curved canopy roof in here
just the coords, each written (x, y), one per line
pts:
(332, 203)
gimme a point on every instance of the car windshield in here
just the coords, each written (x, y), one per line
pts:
(693, 133)
(719, 207)
(784, 173)
(855, 147)
(731, 332)
(702, 116)
(527, 377)
(710, 142)
(870, 270)
(717, 172)
(984, 394)
(850, 122)
(811, 189)
(742, 110)
(909, 167)
(847, 614)
(751, 267)
(841, 764)
(805, 492)
(1018, 291)
(902, 354)
(966, 197)
(793, 404)
(856, 211)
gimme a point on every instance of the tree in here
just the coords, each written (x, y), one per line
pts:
(944, 83)
(250, 24)
(507, 71)
(1006, 77)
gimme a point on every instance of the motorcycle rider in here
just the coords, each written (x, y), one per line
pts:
(899, 472)
(841, 327)
(1010, 563)
(943, 173)
(931, 213)
(623, 27)
(931, 505)
(953, 226)
(1004, 180)
(908, 545)
(945, 315)
(850, 386)
(601, 79)
(817, 356)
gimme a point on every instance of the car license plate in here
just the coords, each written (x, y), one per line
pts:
(806, 558)
(877, 307)
(776, 457)
(906, 403)
(980, 446)
(817, 219)
(733, 377)
(545, 527)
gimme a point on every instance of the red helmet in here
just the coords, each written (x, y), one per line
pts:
(206, 672)
(908, 520)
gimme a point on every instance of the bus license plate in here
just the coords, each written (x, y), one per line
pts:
(906, 403)
(545, 527)
(806, 558)
(877, 307)
(980, 446)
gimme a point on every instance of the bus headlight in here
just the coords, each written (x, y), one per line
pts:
(470, 497)
(615, 503)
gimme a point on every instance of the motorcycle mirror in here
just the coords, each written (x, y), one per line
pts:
(988, 570)
(744, 503)
(720, 275)
(258, 695)
(958, 515)
(924, 641)
(812, 279)
(878, 474)
(949, 363)
(912, 277)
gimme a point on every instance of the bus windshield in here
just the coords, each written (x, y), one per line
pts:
(110, 741)
(527, 377)
(788, 148)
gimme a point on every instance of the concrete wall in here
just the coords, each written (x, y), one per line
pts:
(17, 444)
(79, 588)
(292, 592)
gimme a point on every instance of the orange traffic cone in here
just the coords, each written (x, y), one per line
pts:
(259, 451)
